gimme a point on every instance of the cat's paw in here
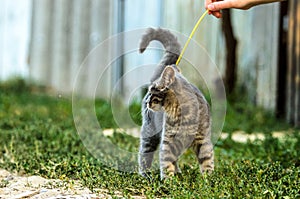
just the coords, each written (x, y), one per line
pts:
(146, 175)
(166, 175)
(177, 170)
(207, 172)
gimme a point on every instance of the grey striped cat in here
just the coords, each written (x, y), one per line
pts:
(176, 115)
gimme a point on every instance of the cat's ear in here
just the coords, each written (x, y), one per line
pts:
(167, 77)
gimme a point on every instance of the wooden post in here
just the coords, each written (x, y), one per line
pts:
(293, 73)
(231, 58)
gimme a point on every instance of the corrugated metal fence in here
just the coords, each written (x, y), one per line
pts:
(63, 32)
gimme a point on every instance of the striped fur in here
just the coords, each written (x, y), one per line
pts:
(175, 115)
(170, 43)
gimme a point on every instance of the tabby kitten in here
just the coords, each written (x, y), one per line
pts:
(175, 115)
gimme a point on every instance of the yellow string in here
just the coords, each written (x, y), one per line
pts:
(190, 37)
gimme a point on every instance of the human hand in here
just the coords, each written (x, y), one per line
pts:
(214, 7)
(210, 6)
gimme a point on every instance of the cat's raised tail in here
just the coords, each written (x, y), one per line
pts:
(168, 40)
(170, 43)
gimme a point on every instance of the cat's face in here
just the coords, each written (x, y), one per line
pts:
(155, 100)
(159, 89)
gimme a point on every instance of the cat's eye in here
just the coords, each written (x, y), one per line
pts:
(153, 89)
(155, 101)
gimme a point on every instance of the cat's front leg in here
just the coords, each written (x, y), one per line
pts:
(150, 137)
(148, 147)
(170, 151)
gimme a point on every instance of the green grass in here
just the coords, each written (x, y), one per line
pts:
(37, 136)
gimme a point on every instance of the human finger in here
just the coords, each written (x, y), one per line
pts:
(219, 5)
(217, 14)
(206, 3)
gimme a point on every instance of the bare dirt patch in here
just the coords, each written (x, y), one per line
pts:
(13, 186)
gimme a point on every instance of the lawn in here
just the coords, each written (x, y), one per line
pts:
(38, 137)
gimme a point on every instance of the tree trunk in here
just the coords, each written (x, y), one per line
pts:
(293, 70)
(231, 43)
